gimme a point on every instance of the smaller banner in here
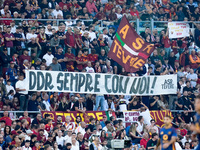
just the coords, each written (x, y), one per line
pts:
(98, 115)
(178, 29)
(157, 115)
(128, 48)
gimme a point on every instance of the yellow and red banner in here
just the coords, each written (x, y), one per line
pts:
(98, 115)
(129, 116)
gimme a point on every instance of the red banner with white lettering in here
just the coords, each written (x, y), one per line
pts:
(128, 48)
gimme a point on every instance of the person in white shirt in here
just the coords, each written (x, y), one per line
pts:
(123, 103)
(89, 68)
(140, 122)
(27, 145)
(81, 128)
(145, 113)
(9, 87)
(192, 77)
(31, 36)
(28, 134)
(68, 137)
(92, 34)
(57, 11)
(5, 10)
(46, 102)
(48, 57)
(23, 93)
(60, 139)
(108, 124)
(49, 30)
(75, 144)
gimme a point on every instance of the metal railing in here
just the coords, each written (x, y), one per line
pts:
(139, 25)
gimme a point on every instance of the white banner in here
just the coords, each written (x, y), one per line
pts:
(97, 83)
(178, 29)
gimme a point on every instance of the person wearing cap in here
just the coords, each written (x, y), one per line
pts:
(31, 36)
(48, 56)
(11, 75)
(55, 41)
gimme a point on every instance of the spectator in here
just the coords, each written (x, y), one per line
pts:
(151, 144)
(48, 57)
(91, 8)
(7, 119)
(22, 93)
(57, 12)
(55, 65)
(192, 77)
(144, 140)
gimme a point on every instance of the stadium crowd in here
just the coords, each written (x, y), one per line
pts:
(81, 46)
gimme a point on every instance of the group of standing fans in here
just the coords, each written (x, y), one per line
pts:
(83, 46)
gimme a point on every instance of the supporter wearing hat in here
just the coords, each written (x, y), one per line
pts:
(48, 56)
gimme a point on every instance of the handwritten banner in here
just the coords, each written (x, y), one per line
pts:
(76, 82)
(158, 116)
(98, 115)
(178, 29)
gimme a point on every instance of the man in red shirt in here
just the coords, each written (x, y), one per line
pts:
(23, 57)
(108, 6)
(93, 57)
(79, 61)
(26, 117)
(41, 136)
(167, 44)
(70, 59)
(70, 40)
(181, 127)
(62, 4)
(49, 125)
(6, 118)
(144, 140)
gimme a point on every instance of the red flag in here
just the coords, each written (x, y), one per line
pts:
(128, 48)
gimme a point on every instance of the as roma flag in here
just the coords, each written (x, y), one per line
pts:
(128, 48)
